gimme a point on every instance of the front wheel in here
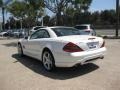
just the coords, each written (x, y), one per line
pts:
(48, 60)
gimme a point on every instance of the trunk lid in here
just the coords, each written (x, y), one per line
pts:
(85, 42)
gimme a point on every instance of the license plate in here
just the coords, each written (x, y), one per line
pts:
(92, 45)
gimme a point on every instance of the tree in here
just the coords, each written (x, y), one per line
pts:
(117, 15)
(35, 8)
(108, 16)
(18, 9)
(57, 7)
(46, 20)
(28, 10)
(69, 15)
(81, 5)
(1, 3)
(3, 10)
(95, 18)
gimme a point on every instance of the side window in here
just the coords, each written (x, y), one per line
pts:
(40, 34)
(46, 34)
(37, 34)
(34, 35)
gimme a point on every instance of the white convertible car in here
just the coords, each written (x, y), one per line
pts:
(62, 47)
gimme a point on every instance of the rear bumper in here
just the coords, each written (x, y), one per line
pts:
(72, 59)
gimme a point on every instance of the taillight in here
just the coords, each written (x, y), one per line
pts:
(71, 47)
(103, 44)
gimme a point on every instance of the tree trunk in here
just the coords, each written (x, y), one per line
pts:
(3, 12)
(58, 18)
(59, 21)
(117, 14)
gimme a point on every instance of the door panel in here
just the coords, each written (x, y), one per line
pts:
(36, 42)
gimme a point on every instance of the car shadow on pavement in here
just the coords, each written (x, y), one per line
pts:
(12, 44)
(58, 73)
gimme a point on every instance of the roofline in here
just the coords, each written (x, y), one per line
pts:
(58, 27)
(82, 24)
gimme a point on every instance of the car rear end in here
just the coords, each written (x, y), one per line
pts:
(82, 50)
(86, 29)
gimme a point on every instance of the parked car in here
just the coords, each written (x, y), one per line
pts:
(62, 47)
(3, 33)
(36, 28)
(86, 29)
(6, 33)
(19, 33)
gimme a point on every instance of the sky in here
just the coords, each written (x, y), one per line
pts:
(97, 5)
(102, 5)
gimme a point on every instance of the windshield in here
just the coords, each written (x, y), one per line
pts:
(65, 31)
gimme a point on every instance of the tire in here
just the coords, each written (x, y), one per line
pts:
(20, 50)
(48, 60)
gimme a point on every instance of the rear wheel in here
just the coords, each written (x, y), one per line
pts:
(48, 60)
(20, 51)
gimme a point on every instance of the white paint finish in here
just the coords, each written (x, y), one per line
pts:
(34, 48)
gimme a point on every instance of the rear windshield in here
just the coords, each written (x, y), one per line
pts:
(65, 31)
(81, 27)
(82, 32)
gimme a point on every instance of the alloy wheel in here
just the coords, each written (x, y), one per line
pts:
(47, 60)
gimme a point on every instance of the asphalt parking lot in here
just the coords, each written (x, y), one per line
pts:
(25, 73)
